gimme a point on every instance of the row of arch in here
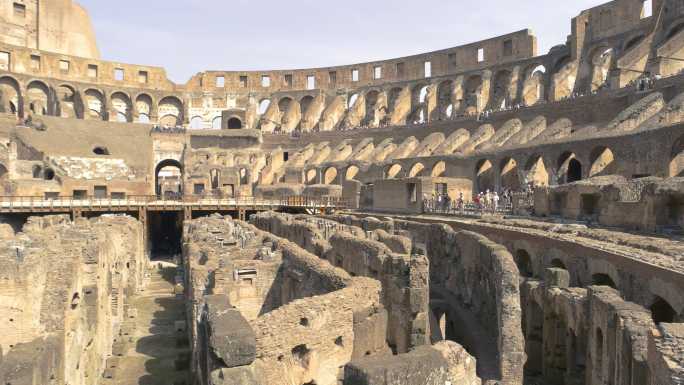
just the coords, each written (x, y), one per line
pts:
(38, 98)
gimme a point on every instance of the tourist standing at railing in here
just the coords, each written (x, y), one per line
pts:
(495, 201)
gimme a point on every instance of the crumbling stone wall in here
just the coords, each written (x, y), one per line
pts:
(64, 290)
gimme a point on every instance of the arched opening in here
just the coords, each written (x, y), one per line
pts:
(168, 176)
(351, 173)
(196, 123)
(171, 111)
(533, 86)
(99, 150)
(509, 174)
(372, 118)
(569, 168)
(352, 100)
(9, 95)
(601, 61)
(444, 99)
(37, 171)
(37, 94)
(558, 264)
(234, 124)
(310, 176)
(499, 94)
(524, 262)
(392, 172)
(601, 279)
(143, 106)
(484, 175)
(305, 103)
(94, 105)
(67, 102)
(216, 123)
(677, 158)
(535, 171)
(472, 95)
(121, 107)
(602, 162)
(416, 170)
(49, 174)
(439, 169)
(419, 95)
(263, 106)
(661, 311)
(330, 175)
(393, 98)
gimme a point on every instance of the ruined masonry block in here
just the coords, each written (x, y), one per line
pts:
(557, 278)
(231, 337)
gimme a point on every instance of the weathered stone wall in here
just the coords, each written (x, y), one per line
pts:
(64, 291)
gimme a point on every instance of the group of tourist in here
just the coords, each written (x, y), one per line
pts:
(645, 82)
(166, 129)
(480, 203)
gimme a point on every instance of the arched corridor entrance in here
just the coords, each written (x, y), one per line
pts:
(168, 178)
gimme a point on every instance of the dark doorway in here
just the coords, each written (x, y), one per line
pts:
(603, 280)
(574, 171)
(234, 123)
(168, 178)
(165, 233)
(661, 311)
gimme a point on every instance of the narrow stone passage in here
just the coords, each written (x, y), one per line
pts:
(154, 348)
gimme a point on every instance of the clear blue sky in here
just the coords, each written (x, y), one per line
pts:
(190, 36)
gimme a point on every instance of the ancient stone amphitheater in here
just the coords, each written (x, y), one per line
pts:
(481, 214)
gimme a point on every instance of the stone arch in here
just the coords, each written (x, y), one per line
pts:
(121, 107)
(284, 104)
(263, 106)
(602, 161)
(37, 171)
(330, 175)
(167, 163)
(472, 94)
(416, 170)
(10, 95)
(393, 98)
(170, 111)
(439, 169)
(445, 104)
(508, 170)
(561, 62)
(499, 94)
(196, 123)
(372, 98)
(484, 175)
(602, 279)
(535, 171)
(352, 100)
(351, 173)
(533, 84)
(143, 108)
(569, 168)
(234, 123)
(95, 105)
(216, 123)
(392, 171)
(662, 311)
(68, 102)
(601, 61)
(310, 176)
(524, 262)
(676, 166)
(419, 95)
(38, 98)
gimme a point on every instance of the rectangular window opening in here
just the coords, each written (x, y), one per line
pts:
(288, 80)
(377, 72)
(332, 77)
(310, 82)
(19, 10)
(480, 55)
(400, 70)
(35, 62)
(428, 69)
(142, 77)
(5, 61)
(220, 81)
(119, 74)
(243, 81)
(64, 66)
(507, 47)
(413, 192)
(647, 11)
(265, 81)
(92, 71)
(452, 60)
(355, 75)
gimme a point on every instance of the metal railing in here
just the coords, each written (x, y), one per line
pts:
(140, 201)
